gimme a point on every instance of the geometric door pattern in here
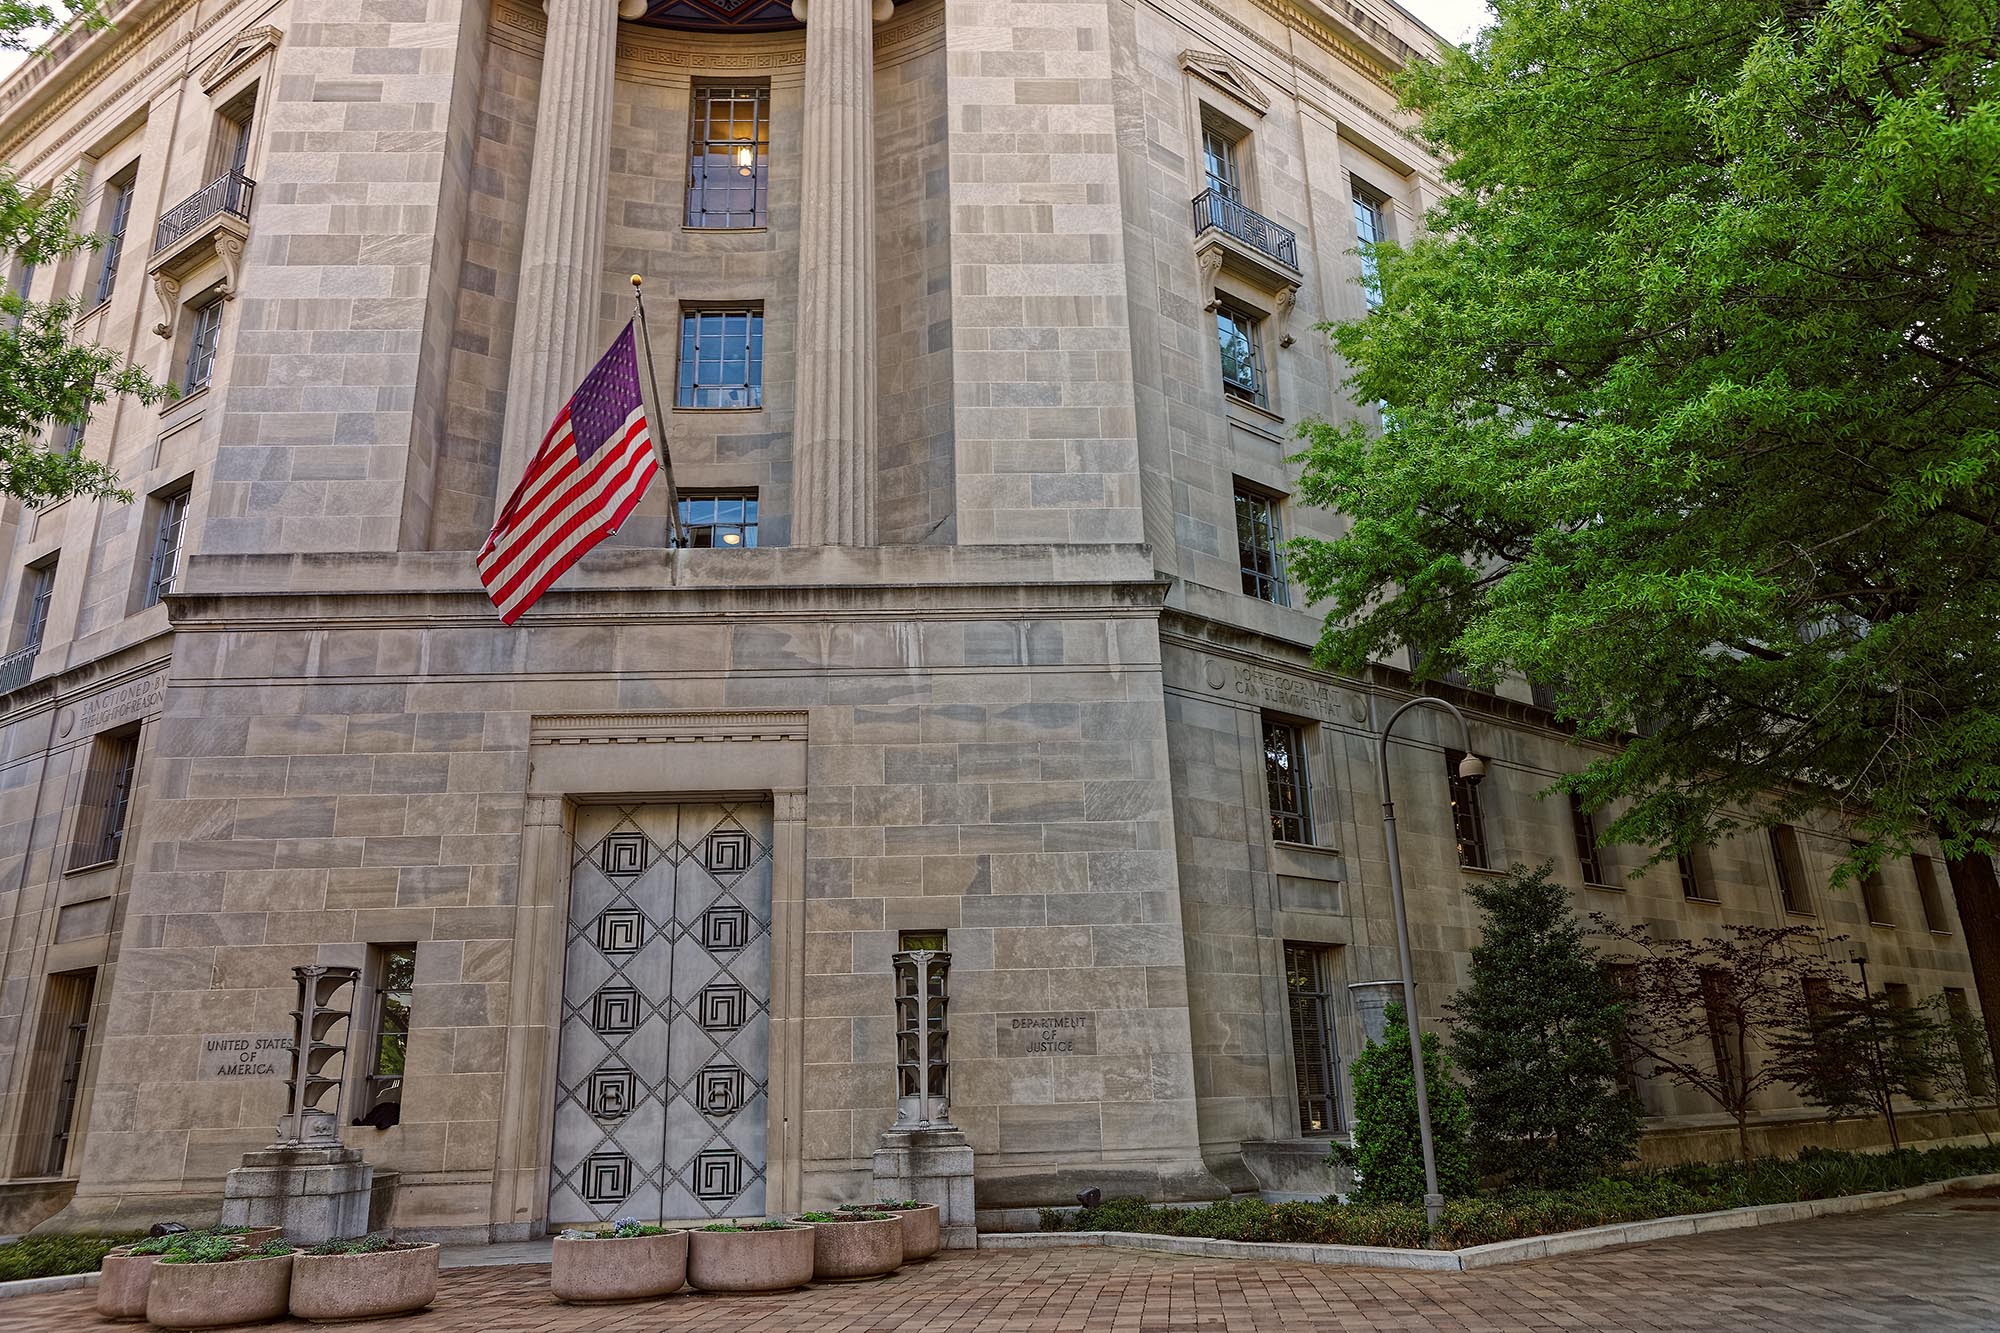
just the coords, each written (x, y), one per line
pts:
(663, 1058)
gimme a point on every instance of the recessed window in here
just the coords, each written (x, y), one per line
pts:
(1369, 208)
(40, 585)
(1584, 827)
(722, 359)
(1239, 334)
(1624, 979)
(1970, 1039)
(1875, 896)
(1468, 822)
(1257, 541)
(393, 968)
(169, 526)
(1724, 1016)
(230, 151)
(1694, 884)
(1928, 893)
(118, 215)
(1309, 995)
(727, 175)
(725, 520)
(1221, 161)
(204, 335)
(1286, 783)
(107, 798)
(62, 1039)
(1790, 867)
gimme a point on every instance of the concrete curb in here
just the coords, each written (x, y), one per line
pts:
(1473, 1257)
(39, 1286)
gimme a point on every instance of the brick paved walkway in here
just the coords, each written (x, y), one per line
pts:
(1933, 1267)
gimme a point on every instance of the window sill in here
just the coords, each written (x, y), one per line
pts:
(1883, 925)
(724, 231)
(678, 408)
(1255, 409)
(1483, 870)
(1941, 934)
(1606, 888)
(1704, 900)
(192, 395)
(95, 310)
(94, 865)
(1802, 915)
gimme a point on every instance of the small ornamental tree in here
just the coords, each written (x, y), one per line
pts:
(1388, 1157)
(1535, 1035)
(1856, 1053)
(1701, 1010)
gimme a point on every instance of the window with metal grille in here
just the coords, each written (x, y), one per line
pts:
(1624, 979)
(722, 358)
(731, 136)
(118, 215)
(1790, 867)
(394, 969)
(204, 336)
(1724, 1018)
(1969, 1039)
(1468, 822)
(1238, 334)
(725, 520)
(168, 529)
(107, 798)
(1218, 152)
(1368, 229)
(1588, 855)
(1875, 897)
(1286, 783)
(1935, 920)
(41, 592)
(1315, 1059)
(54, 1083)
(1257, 540)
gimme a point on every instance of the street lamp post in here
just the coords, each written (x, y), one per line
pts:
(1878, 1071)
(1472, 768)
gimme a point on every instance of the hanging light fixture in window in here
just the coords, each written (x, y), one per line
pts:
(746, 160)
(732, 539)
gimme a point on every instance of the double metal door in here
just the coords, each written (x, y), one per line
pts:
(660, 1108)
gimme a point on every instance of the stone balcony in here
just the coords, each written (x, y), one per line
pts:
(210, 225)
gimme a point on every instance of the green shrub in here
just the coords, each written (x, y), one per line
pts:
(1387, 1157)
(55, 1256)
(207, 1247)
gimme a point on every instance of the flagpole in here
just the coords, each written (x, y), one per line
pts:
(676, 534)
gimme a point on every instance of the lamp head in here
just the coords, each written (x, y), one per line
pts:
(1472, 768)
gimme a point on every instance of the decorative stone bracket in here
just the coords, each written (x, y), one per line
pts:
(222, 238)
(1284, 288)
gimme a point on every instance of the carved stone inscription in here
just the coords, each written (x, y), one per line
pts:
(1046, 1034)
(126, 703)
(245, 1055)
(1271, 689)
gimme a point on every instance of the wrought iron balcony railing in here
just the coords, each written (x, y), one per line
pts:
(1214, 209)
(229, 193)
(16, 668)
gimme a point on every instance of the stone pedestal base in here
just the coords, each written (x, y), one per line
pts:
(930, 1166)
(315, 1194)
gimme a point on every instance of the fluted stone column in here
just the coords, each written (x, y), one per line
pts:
(562, 250)
(833, 439)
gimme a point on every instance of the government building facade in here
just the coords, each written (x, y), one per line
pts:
(982, 332)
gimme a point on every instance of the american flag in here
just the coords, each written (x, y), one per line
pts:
(594, 465)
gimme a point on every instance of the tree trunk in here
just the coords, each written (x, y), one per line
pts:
(1743, 1139)
(1977, 891)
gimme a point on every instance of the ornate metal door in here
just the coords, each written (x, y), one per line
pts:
(664, 1053)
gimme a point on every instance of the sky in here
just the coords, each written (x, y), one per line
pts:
(1456, 19)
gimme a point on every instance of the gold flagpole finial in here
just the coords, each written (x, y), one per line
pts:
(638, 281)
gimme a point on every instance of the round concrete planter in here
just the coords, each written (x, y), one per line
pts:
(240, 1291)
(849, 1251)
(256, 1238)
(364, 1286)
(122, 1283)
(628, 1268)
(746, 1261)
(922, 1235)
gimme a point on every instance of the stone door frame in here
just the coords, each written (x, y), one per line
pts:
(577, 759)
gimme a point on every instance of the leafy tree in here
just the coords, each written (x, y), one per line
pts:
(1692, 411)
(49, 379)
(1388, 1157)
(1702, 1010)
(1534, 1034)
(1960, 1056)
(1856, 1052)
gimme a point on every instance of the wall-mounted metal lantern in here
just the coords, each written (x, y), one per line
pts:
(310, 1121)
(923, 1055)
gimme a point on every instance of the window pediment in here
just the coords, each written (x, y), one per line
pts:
(238, 55)
(1227, 76)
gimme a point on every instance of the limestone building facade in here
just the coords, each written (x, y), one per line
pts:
(983, 330)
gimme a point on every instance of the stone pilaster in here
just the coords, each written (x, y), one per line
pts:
(833, 441)
(562, 250)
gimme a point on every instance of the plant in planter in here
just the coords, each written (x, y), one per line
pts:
(126, 1273)
(212, 1281)
(922, 1233)
(632, 1261)
(848, 1247)
(363, 1279)
(750, 1256)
